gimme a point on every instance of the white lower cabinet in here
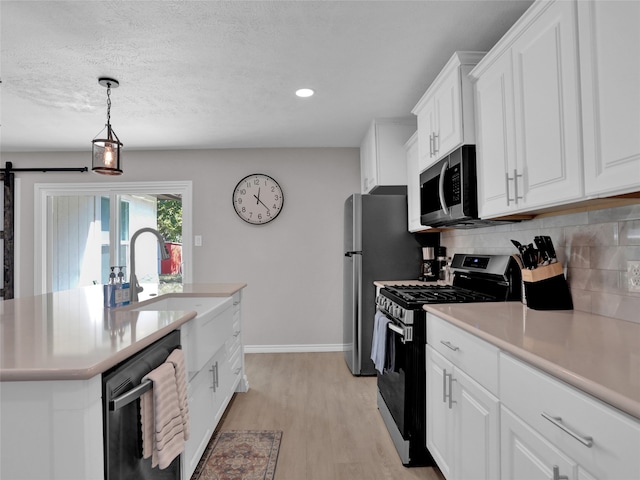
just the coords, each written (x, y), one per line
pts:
(546, 422)
(491, 415)
(462, 415)
(528, 456)
(210, 389)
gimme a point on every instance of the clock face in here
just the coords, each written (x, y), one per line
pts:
(258, 199)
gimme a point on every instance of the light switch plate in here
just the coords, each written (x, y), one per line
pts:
(633, 274)
(197, 240)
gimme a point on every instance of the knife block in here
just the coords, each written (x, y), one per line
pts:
(546, 288)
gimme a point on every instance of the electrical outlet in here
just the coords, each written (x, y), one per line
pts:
(633, 274)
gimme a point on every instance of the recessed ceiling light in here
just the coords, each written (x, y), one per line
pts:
(304, 92)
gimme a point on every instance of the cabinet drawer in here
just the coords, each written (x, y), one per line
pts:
(601, 439)
(471, 354)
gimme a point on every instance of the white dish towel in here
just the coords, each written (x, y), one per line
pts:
(379, 341)
(164, 413)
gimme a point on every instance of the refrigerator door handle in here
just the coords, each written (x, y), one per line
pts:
(352, 253)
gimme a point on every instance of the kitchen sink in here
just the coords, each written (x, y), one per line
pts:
(203, 335)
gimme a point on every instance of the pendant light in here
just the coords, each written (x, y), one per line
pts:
(106, 151)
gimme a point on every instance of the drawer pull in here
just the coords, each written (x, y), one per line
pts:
(236, 333)
(448, 344)
(557, 421)
(556, 474)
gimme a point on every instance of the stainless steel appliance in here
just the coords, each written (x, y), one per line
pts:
(402, 384)
(122, 386)
(377, 246)
(448, 192)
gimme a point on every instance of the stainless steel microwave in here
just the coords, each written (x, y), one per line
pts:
(449, 193)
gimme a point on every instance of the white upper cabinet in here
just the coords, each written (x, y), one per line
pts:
(383, 160)
(528, 114)
(610, 77)
(413, 185)
(445, 112)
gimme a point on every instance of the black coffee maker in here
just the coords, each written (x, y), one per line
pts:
(433, 260)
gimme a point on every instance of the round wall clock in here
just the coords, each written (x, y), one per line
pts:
(258, 199)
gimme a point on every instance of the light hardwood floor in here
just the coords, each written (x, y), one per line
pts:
(331, 424)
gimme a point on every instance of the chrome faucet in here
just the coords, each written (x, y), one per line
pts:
(133, 280)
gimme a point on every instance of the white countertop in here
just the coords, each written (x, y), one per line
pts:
(70, 336)
(599, 355)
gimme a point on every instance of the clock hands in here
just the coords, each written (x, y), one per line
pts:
(260, 201)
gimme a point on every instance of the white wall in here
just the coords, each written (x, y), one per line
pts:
(293, 266)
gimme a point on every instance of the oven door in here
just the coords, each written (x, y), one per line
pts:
(392, 384)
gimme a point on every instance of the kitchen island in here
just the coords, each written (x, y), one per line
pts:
(53, 351)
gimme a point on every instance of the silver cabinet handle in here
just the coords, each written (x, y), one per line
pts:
(447, 397)
(556, 474)
(430, 145)
(436, 149)
(557, 421)
(515, 177)
(444, 386)
(448, 344)
(515, 184)
(213, 378)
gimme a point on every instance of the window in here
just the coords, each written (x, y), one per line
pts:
(85, 230)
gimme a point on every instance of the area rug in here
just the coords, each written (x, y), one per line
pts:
(240, 455)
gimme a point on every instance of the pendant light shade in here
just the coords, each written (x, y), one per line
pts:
(107, 151)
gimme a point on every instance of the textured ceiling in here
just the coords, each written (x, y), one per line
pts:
(222, 74)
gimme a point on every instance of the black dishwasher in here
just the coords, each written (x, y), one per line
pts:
(121, 390)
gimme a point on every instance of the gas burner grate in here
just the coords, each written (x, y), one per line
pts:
(425, 294)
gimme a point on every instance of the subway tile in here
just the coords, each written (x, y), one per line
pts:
(581, 300)
(579, 257)
(618, 214)
(630, 232)
(613, 258)
(578, 278)
(581, 218)
(616, 306)
(605, 234)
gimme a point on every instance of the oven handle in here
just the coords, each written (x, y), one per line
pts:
(398, 330)
(406, 333)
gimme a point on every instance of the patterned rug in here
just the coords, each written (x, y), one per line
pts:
(240, 455)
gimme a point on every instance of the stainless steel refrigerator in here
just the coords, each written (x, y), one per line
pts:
(377, 246)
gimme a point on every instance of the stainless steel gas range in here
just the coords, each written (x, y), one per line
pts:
(401, 320)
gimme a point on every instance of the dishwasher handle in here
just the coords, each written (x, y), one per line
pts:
(130, 396)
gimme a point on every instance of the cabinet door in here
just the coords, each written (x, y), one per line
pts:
(413, 185)
(526, 455)
(448, 114)
(610, 69)
(440, 433)
(547, 111)
(495, 150)
(477, 434)
(201, 426)
(426, 127)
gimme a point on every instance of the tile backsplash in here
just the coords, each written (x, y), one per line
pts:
(594, 247)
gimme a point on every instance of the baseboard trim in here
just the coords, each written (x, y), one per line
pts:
(294, 348)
